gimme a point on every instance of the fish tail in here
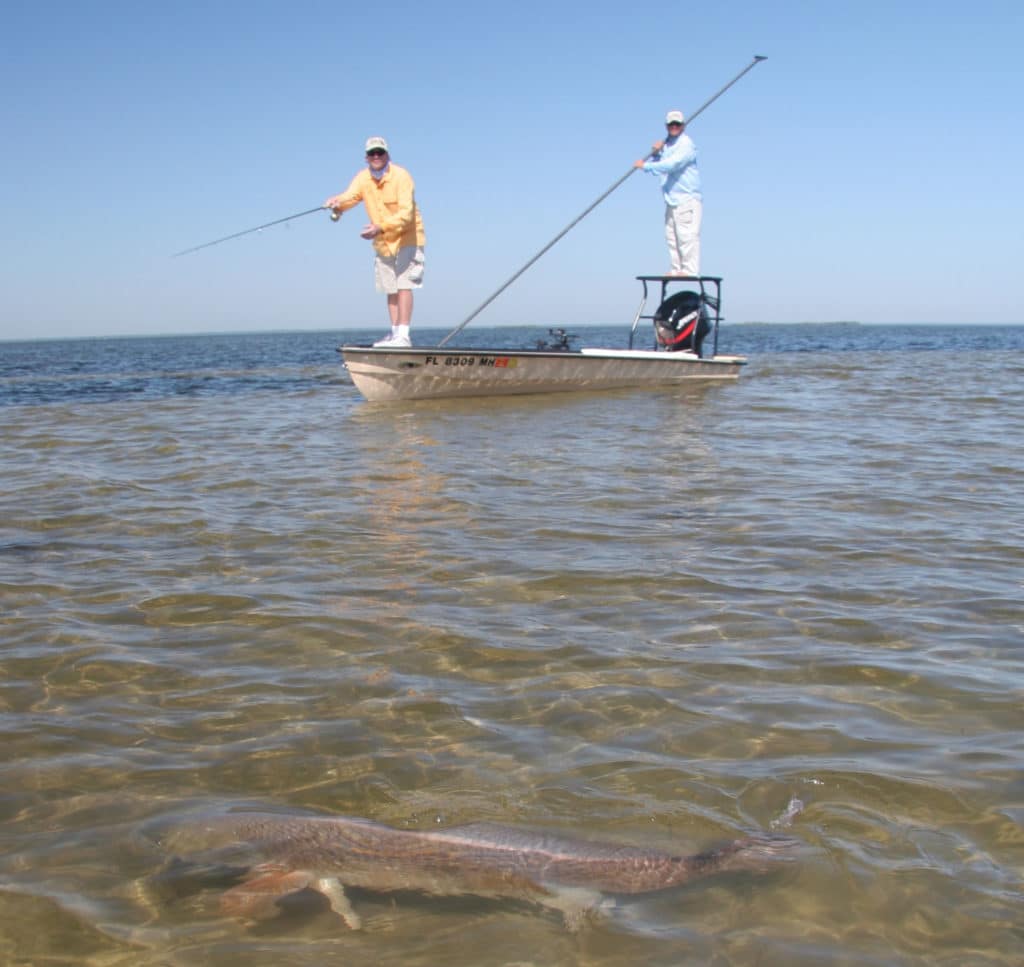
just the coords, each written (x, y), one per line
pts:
(757, 854)
(793, 809)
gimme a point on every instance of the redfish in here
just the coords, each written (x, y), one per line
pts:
(272, 855)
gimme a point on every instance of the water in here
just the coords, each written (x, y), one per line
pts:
(653, 617)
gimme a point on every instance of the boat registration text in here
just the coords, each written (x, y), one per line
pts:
(498, 362)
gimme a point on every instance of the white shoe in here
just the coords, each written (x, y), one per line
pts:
(394, 342)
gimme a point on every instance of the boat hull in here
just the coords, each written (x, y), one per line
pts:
(385, 374)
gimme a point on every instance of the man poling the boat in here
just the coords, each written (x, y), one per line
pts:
(396, 229)
(674, 161)
(586, 211)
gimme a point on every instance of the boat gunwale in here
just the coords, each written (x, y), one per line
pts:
(586, 352)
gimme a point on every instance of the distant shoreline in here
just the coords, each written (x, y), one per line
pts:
(235, 333)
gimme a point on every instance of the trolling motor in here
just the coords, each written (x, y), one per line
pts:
(559, 342)
(681, 322)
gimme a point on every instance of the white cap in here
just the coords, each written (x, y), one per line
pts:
(376, 142)
(676, 116)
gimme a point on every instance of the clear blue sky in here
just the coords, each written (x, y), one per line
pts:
(868, 170)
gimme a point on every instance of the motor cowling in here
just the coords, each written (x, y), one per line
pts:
(681, 322)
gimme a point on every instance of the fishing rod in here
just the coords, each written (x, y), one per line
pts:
(579, 218)
(249, 231)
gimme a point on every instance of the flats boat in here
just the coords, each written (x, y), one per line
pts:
(684, 348)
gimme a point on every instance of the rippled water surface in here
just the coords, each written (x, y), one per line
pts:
(653, 617)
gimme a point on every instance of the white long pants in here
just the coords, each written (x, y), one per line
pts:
(682, 232)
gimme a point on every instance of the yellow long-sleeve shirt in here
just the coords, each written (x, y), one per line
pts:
(390, 204)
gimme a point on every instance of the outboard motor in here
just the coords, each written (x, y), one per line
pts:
(681, 322)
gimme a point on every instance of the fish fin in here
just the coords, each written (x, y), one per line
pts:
(257, 897)
(574, 903)
(331, 888)
(181, 878)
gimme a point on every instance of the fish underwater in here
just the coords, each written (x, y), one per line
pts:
(265, 857)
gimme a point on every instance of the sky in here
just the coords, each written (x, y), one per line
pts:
(867, 171)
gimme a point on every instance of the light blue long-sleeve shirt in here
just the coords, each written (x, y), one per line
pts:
(676, 165)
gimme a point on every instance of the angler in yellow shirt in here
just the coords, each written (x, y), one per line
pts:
(388, 193)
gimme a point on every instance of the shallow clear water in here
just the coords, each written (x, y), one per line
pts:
(652, 617)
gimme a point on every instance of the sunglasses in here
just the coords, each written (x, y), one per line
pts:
(376, 153)
(674, 124)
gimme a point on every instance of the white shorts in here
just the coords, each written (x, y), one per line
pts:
(403, 270)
